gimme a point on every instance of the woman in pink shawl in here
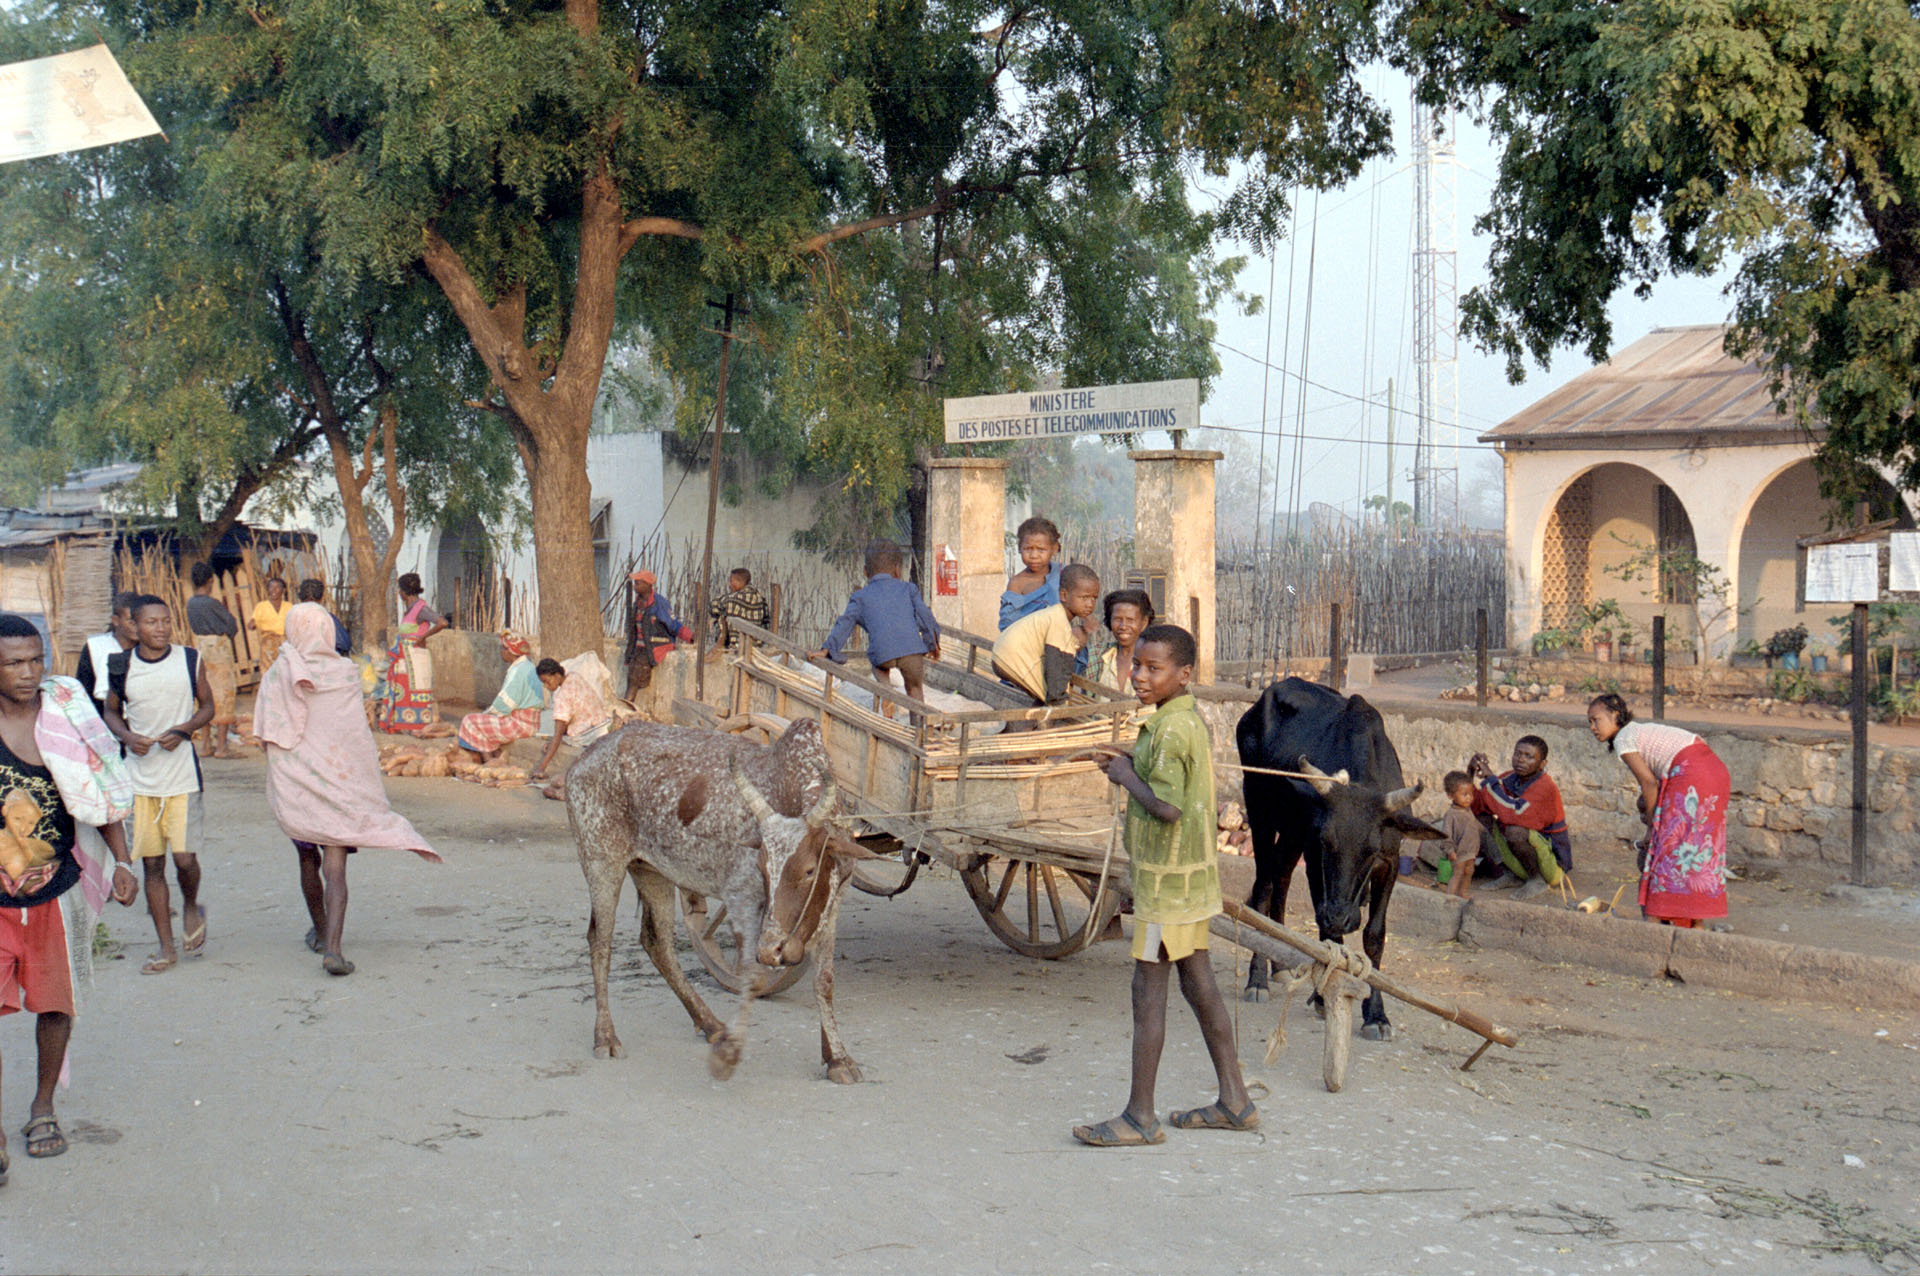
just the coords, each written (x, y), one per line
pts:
(323, 773)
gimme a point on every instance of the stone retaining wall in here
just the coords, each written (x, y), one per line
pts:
(1792, 794)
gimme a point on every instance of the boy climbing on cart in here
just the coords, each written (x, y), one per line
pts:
(1169, 838)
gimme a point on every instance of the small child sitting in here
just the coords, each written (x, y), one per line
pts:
(901, 630)
(1523, 809)
(1036, 586)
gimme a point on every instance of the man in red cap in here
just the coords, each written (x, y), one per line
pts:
(651, 632)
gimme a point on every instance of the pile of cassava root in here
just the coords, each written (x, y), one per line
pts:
(415, 759)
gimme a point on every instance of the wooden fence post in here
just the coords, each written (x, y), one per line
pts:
(1336, 661)
(1859, 711)
(1659, 668)
(1480, 661)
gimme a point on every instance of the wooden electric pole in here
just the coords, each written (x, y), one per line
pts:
(703, 589)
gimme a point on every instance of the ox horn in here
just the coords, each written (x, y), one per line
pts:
(1400, 799)
(1322, 783)
(823, 809)
(756, 801)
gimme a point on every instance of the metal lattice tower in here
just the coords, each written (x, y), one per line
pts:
(1436, 319)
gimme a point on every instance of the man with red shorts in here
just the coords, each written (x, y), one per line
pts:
(43, 920)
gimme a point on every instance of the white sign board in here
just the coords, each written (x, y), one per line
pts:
(1843, 573)
(1052, 414)
(68, 102)
(1903, 571)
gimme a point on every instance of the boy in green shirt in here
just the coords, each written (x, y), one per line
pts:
(1169, 836)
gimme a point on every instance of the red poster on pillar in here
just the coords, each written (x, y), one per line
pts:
(946, 576)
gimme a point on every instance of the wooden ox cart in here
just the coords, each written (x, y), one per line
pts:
(1004, 797)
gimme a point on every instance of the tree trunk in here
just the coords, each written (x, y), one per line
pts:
(373, 573)
(549, 405)
(569, 589)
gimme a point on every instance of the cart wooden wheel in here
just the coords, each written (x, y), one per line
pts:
(1039, 910)
(715, 946)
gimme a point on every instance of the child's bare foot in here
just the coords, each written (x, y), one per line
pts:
(335, 964)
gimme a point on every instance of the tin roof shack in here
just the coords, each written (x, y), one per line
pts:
(1672, 452)
(56, 569)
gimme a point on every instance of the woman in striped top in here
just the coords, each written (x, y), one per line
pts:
(1684, 794)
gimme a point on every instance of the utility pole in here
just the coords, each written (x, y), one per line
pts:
(703, 589)
(1436, 318)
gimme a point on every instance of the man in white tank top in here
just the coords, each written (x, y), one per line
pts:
(91, 672)
(157, 697)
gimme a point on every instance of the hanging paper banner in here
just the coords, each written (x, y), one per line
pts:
(68, 102)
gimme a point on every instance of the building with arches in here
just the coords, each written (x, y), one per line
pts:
(1674, 447)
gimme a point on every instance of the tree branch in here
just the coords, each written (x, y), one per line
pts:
(631, 231)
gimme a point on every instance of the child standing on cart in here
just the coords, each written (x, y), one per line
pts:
(1169, 836)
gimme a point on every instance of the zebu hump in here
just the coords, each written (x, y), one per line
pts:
(1294, 718)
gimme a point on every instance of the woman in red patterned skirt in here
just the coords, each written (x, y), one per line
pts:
(1684, 794)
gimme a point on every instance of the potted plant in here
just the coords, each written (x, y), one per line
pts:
(1817, 655)
(1551, 642)
(1606, 626)
(1786, 645)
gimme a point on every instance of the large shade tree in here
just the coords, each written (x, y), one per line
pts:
(914, 195)
(1644, 138)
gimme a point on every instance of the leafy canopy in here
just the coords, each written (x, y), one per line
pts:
(1652, 137)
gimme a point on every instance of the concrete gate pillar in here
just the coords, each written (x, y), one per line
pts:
(967, 541)
(1173, 540)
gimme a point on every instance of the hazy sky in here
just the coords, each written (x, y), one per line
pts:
(1359, 273)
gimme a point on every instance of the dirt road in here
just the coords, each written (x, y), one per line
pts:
(441, 1110)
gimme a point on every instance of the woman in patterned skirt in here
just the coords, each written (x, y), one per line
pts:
(405, 701)
(1684, 794)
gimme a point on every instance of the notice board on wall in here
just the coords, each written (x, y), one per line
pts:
(1843, 573)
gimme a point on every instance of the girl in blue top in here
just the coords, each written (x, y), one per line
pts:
(1036, 586)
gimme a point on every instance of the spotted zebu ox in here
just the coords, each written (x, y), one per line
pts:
(744, 823)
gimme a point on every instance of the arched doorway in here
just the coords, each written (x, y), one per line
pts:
(464, 577)
(1788, 508)
(1597, 543)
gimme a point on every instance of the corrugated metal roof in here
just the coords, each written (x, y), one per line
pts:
(1671, 381)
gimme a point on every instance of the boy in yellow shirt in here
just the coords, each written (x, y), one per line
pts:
(1035, 654)
(1169, 836)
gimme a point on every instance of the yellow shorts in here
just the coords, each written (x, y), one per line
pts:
(1179, 939)
(162, 824)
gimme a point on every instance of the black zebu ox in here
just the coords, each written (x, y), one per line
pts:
(1348, 822)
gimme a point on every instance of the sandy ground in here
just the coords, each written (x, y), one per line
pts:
(441, 1109)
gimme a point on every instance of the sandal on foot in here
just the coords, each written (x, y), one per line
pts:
(159, 964)
(44, 1138)
(313, 939)
(1216, 1117)
(197, 937)
(335, 964)
(1121, 1132)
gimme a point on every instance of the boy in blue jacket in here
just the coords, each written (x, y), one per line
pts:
(901, 630)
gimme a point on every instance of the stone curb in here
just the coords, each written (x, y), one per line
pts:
(1738, 963)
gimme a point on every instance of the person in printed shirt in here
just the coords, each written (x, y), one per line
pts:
(741, 602)
(404, 701)
(46, 924)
